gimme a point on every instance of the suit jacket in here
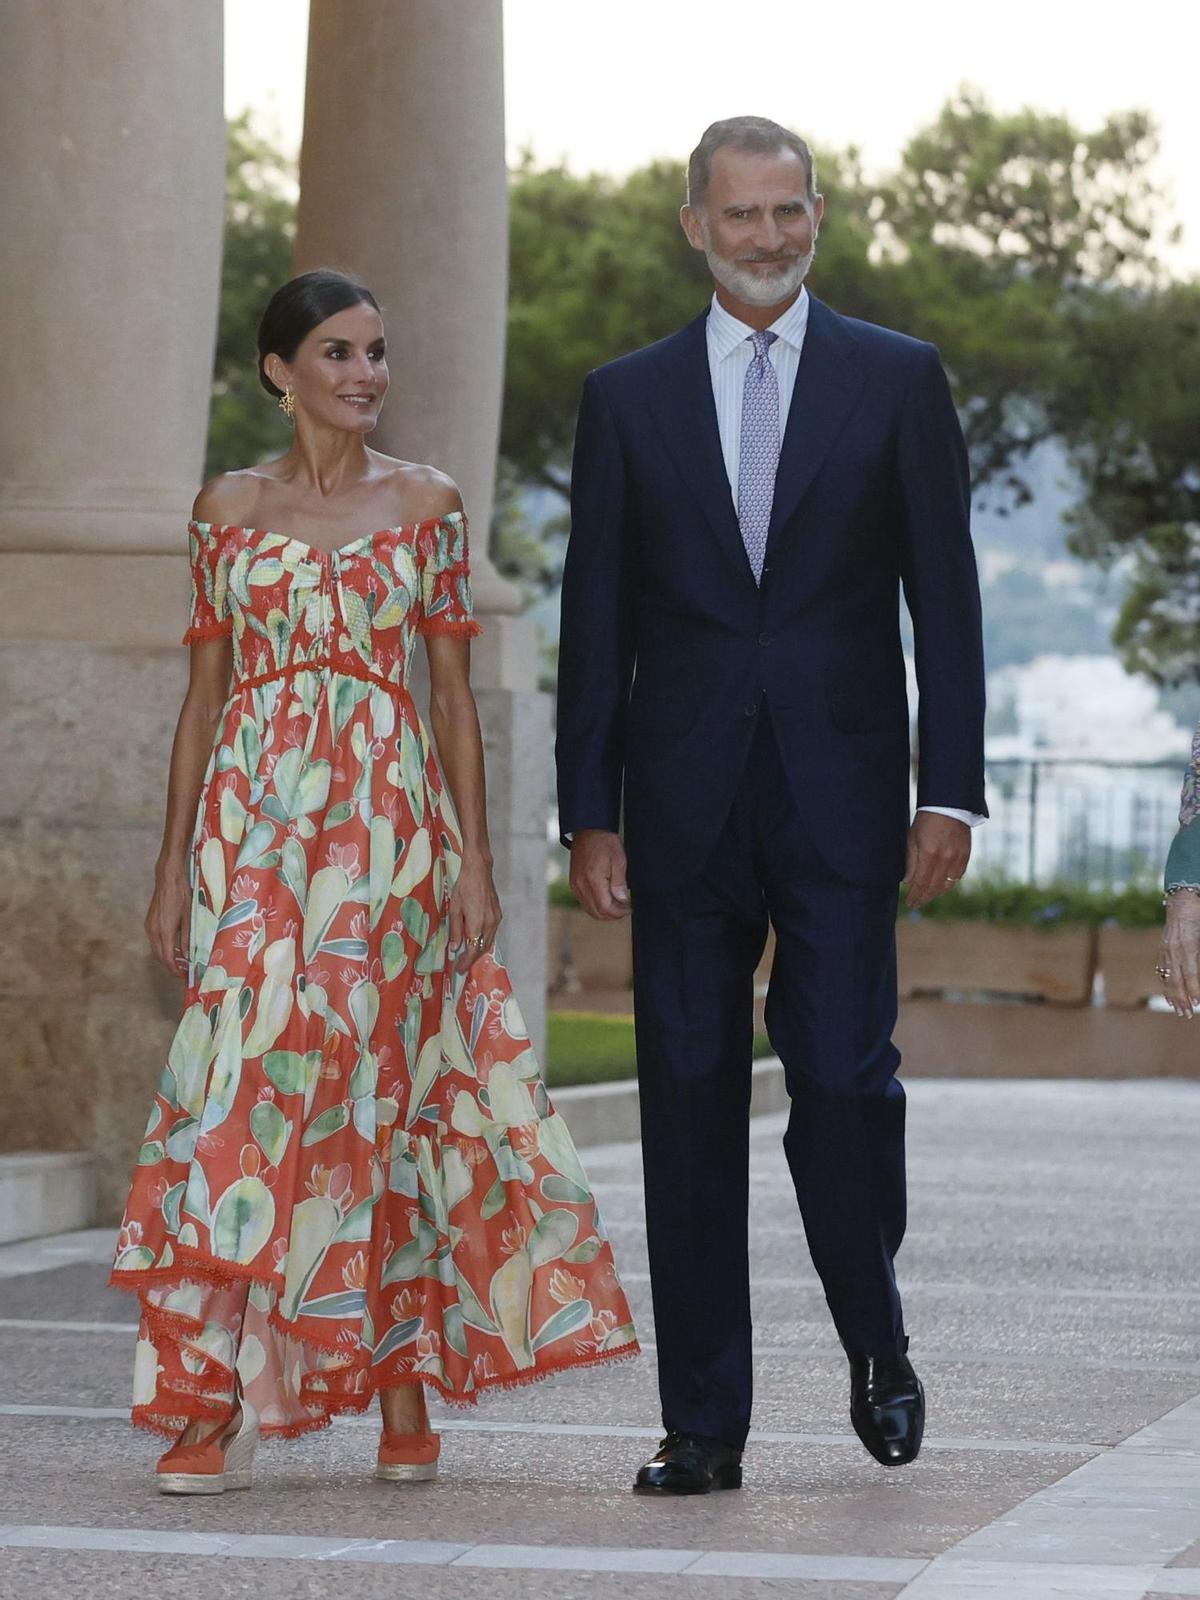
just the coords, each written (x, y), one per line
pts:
(669, 650)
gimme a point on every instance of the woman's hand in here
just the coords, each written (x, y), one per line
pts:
(169, 919)
(474, 912)
(1179, 957)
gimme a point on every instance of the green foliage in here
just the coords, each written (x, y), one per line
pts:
(1025, 247)
(995, 223)
(600, 266)
(559, 894)
(1010, 902)
(1131, 413)
(1020, 244)
(245, 424)
(1047, 906)
(598, 1047)
(596, 268)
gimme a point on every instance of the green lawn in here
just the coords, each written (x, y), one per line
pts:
(597, 1047)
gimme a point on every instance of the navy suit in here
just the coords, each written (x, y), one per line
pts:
(752, 744)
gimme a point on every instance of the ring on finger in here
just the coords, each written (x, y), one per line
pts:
(1163, 971)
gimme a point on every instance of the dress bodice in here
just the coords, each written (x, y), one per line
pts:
(290, 607)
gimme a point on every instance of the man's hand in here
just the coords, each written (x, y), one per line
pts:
(598, 874)
(939, 849)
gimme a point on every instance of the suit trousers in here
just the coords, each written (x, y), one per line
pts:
(830, 1013)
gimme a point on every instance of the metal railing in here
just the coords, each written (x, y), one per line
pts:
(1104, 824)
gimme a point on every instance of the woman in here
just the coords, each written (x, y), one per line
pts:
(1179, 960)
(352, 1180)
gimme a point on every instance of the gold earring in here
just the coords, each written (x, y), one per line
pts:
(287, 403)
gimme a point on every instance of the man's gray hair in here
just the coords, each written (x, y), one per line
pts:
(756, 135)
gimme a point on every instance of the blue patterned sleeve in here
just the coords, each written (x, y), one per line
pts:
(1183, 859)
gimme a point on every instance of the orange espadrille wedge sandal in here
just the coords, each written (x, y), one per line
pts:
(408, 1457)
(221, 1460)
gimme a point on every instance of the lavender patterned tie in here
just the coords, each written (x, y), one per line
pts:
(758, 455)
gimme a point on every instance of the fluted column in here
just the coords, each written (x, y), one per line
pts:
(402, 182)
(111, 194)
(112, 188)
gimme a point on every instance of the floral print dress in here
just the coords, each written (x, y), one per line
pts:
(352, 1176)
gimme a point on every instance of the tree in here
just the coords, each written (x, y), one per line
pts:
(978, 241)
(1131, 415)
(245, 425)
(600, 266)
(996, 224)
(1025, 247)
(596, 268)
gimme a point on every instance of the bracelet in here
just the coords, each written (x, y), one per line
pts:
(1180, 888)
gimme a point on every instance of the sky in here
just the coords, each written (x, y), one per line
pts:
(607, 87)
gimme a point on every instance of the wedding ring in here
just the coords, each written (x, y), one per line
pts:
(481, 941)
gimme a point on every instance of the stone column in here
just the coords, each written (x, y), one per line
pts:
(403, 183)
(112, 190)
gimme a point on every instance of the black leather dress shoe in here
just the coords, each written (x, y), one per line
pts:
(887, 1407)
(688, 1463)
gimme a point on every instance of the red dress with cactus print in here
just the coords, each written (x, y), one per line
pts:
(352, 1175)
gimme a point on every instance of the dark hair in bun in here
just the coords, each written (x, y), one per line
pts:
(298, 307)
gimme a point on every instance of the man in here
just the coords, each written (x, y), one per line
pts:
(748, 497)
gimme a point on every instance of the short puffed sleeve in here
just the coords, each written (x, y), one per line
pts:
(209, 616)
(444, 562)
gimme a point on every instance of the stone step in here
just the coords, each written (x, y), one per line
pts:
(44, 1192)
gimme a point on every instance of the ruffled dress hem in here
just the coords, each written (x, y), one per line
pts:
(203, 1394)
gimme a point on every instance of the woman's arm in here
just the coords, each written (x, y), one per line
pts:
(1180, 955)
(168, 918)
(454, 722)
(167, 921)
(447, 624)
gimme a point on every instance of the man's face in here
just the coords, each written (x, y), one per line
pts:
(756, 227)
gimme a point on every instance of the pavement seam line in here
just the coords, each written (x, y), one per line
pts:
(581, 1430)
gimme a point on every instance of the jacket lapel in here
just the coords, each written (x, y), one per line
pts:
(686, 416)
(828, 382)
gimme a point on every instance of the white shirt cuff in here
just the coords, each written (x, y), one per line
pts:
(971, 818)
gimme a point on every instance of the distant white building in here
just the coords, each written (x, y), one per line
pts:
(1083, 708)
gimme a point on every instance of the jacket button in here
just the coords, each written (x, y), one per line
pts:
(752, 709)
(765, 638)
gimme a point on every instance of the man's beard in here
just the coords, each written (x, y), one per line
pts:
(751, 287)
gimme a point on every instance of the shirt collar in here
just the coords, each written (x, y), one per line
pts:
(726, 332)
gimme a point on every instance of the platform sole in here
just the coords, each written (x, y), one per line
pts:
(202, 1482)
(403, 1472)
(237, 1473)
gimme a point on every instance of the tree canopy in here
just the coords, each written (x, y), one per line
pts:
(245, 424)
(1027, 248)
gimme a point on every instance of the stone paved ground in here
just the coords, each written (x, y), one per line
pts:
(1054, 1305)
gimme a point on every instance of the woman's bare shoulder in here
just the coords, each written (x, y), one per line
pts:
(419, 492)
(229, 498)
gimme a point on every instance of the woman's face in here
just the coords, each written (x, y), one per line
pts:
(339, 375)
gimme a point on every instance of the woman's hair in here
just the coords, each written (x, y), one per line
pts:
(298, 307)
